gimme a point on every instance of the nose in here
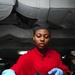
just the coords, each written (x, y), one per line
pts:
(42, 39)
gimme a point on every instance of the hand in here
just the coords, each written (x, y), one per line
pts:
(56, 71)
(8, 72)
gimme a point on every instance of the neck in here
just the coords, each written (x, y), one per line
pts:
(43, 51)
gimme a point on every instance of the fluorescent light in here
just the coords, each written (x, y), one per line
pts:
(22, 52)
(1, 59)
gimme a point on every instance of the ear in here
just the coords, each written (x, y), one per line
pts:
(50, 40)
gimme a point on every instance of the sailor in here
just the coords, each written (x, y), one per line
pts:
(40, 60)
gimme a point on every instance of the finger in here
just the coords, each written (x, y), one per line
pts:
(57, 73)
(52, 71)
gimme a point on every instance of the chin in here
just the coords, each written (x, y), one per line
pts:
(41, 48)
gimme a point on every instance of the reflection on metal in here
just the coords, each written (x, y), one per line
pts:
(2, 64)
(63, 57)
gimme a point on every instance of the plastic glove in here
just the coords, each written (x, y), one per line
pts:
(8, 72)
(56, 71)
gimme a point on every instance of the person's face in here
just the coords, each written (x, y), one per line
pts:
(41, 38)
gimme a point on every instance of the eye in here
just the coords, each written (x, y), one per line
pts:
(38, 36)
(46, 36)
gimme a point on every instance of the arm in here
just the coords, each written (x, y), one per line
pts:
(61, 69)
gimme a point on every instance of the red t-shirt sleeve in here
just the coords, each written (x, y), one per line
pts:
(21, 64)
(60, 63)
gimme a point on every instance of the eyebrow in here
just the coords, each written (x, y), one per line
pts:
(43, 34)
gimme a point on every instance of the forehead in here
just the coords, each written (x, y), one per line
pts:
(42, 31)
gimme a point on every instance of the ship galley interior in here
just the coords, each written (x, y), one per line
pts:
(17, 18)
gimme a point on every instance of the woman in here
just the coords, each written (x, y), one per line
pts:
(40, 60)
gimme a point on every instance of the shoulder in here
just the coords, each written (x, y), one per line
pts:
(53, 52)
(27, 55)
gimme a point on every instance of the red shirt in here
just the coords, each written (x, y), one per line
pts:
(34, 62)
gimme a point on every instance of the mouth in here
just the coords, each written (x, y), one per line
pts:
(41, 44)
